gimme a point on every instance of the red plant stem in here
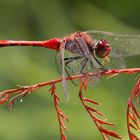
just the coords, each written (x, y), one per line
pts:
(36, 86)
(129, 107)
(51, 44)
(21, 91)
(98, 122)
(81, 96)
(55, 98)
(128, 128)
(121, 71)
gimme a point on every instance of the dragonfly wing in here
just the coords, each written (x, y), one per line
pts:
(58, 62)
(64, 84)
(82, 60)
(71, 65)
(115, 62)
(122, 44)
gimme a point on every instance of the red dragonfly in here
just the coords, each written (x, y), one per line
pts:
(83, 52)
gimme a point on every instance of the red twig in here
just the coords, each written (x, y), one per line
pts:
(9, 97)
(93, 114)
(61, 117)
(133, 117)
(4, 94)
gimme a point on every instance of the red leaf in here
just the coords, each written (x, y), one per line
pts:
(94, 110)
(110, 133)
(135, 111)
(131, 125)
(4, 99)
(63, 116)
(65, 128)
(63, 137)
(133, 137)
(132, 117)
(132, 114)
(89, 100)
(102, 122)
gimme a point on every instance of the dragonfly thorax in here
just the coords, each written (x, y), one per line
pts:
(81, 43)
(78, 43)
(72, 46)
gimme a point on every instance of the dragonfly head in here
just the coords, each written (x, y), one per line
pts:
(102, 48)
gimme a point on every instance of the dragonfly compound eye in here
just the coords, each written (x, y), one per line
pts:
(103, 48)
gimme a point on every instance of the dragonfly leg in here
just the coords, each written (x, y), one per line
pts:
(83, 63)
(67, 65)
(91, 63)
(73, 58)
(68, 60)
(70, 77)
(103, 67)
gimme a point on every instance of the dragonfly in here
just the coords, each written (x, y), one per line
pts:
(88, 51)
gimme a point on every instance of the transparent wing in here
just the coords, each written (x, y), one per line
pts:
(72, 63)
(71, 66)
(114, 62)
(64, 84)
(122, 44)
(80, 62)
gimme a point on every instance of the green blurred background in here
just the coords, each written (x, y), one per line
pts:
(35, 118)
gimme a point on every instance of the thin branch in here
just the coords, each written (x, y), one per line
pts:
(61, 117)
(24, 90)
(93, 114)
(133, 117)
(9, 97)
